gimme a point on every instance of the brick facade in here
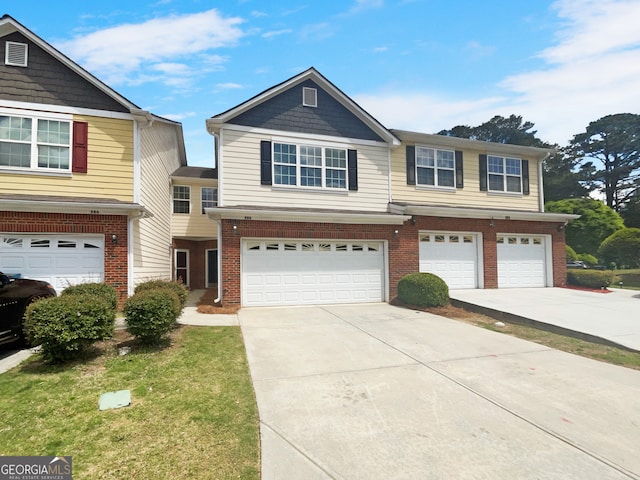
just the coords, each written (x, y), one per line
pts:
(197, 259)
(115, 255)
(403, 248)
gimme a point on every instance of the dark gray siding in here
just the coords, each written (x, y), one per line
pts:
(285, 112)
(48, 81)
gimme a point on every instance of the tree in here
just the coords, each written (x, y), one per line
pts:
(596, 222)
(631, 211)
(499, 129)
(560, 179)
(622, 248)
(610, 148)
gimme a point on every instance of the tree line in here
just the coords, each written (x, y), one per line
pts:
(597, 175)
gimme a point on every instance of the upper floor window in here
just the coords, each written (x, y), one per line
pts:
(435, 167)
(209, 197)
(35, 143)
(181, 199)
(309, 166)
(504, 174)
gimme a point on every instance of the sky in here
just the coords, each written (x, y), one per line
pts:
(419, 65)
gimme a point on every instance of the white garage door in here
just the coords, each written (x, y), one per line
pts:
(61, 260)
(521, 261)
(451, 256)
(301, 272)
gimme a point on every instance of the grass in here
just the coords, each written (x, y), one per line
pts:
(629, 278)
(615, 356)
(193, 411)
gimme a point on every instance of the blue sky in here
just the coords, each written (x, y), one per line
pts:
(421, 65)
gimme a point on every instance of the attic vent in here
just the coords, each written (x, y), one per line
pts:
(16, 54)
(309, 97)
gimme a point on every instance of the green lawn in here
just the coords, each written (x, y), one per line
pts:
(629, 278)
(193, 412)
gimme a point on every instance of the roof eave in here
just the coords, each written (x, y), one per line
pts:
(132, 210)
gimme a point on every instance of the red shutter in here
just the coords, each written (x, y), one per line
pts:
(79, 152)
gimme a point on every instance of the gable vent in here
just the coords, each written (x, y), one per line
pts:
(16, 54)
(309, 97)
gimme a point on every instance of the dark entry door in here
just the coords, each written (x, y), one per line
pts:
(212, 267)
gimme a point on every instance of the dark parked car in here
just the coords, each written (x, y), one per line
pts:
(15, 295)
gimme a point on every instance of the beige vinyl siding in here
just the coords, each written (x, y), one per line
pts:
(110, 166)
(241, 169)
(470, 195)
(195, 224)
(152, 240)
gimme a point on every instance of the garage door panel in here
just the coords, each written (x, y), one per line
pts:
(325, 272)
(451, 256)
(521, 261)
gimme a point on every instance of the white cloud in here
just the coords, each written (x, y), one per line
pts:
(592, 70)
(276, 33)
(118, 54)
(178, 117)
(229, 86)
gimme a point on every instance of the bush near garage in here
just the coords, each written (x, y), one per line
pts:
(590, 278)
(151, 314)
(423, 290)
(65, 326)
(101, 290)
(176, 287)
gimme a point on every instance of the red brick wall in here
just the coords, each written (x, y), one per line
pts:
(197, 259)
(115, 255)
(403, 249)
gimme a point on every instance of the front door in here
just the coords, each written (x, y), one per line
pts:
(181, 262)
(212, 268)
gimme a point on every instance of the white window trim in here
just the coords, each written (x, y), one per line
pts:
(173, 200)
(504, 176)
(435, 186)
(35, 117)
(324, 146)
(215, 201)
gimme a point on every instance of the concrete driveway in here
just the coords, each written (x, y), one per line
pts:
(379, 392)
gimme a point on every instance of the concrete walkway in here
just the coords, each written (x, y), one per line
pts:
(612, 318)
(380, 392)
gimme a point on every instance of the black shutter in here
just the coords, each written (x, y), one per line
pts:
(265, 162)
(353, 169)
(525, 177)
(483, 172)
(411, 165)
(459, 170)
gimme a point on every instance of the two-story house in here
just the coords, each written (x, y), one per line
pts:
(84, 172)
(319, 203)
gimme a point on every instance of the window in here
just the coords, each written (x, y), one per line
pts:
(35, 143)
(309, 166)
(435, 167)
(181, 199)
(209, 197)
(505, 174)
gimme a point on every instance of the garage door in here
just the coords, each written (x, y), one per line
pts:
(521, 261)
(451, 256)
(61, 260)
(294, 272)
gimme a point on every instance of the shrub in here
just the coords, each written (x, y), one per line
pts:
(571, 254)
(151, 314)
(101, 290)
(176, 287)
(423, 290)
(64, 326)
(588, 259)
(590, 278)
(622, 248)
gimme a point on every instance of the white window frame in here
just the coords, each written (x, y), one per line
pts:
(435, 167)
(504, 174)
(35, 144)
(181, 200)
(210, 203)
(323, 167)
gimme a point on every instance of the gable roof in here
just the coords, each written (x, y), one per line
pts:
(214, 123)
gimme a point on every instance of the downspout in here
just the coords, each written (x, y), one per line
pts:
(217, 154)
(541, 181)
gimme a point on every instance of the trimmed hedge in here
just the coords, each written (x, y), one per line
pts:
(65, 326)
(101, 290)
(423, 290)
(590, 278)
(151, 314)
(176, 287)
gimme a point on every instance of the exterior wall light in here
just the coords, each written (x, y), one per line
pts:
(114, 238)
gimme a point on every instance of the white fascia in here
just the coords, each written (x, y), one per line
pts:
(343, 217)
